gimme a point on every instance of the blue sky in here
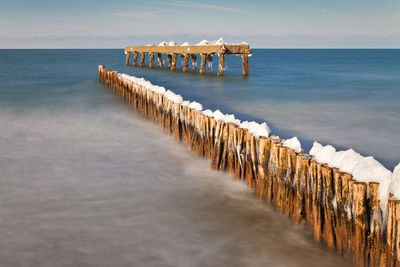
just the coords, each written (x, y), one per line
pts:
(283, 23)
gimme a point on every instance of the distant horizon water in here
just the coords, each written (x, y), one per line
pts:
(87, 181)
(344, 97)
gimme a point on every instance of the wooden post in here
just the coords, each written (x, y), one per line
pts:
(245, 64)
(185, 63)
(135, 55)
(375, 227)
(264, 153)
(221, 64)
(203, 63)
(360, 219)
(209, 59)
(194, 59)
(142, 56)
(151, 60)
(169, 56)
(159, 59)
(128, 56)
(173, 66)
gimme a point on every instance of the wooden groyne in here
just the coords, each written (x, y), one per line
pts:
(189, 53)
(341, 212)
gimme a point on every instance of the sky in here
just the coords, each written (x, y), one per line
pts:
(263, 24)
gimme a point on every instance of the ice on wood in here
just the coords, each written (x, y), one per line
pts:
(293, 143)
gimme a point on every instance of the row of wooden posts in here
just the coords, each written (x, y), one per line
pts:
(171, 59)
(341, 212)
(189, 53)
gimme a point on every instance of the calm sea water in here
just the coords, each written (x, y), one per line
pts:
(85, 181)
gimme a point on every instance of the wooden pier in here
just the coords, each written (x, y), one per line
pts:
(341, 212)
(190, 53)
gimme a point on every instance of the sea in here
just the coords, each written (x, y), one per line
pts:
(87, 181)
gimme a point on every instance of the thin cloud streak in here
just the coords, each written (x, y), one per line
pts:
(135, 14)
(208, 6)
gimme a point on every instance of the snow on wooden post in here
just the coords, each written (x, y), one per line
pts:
(173, 65)
(185, 63)
(159, 60)
(203, 63)
(128, 56)
(245, 64)
(135, 56)
(221, 64)
(194, 63)
(142, 57)
(151, 64)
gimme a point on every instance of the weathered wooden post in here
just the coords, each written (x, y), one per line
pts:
(203, 63)
(194, 59)
(360, 219)
(128, 56)
(135, 55)
(245, 64)
(209, 59)
(173, 66)
(142, 56)
(185, 63)
(159, 59)
(375, 228)
(151, 64)
(221, 64)
(169, 57)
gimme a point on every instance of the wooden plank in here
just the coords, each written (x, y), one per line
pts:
(193, 49)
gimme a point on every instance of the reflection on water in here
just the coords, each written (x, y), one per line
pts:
(85, 181)
(103, 187)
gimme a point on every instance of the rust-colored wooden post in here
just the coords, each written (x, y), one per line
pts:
(159, 59)
(135, 56)
(245, 64)
(169, 57)
(264, 153)
(128, 56)
(203, 63)
(221, 64)
(194, 59)
(142, 57)
(360, 220)
(151, 64)
(375, 228)
(173, 65)
(185, 63)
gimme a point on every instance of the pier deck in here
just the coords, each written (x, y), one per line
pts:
(190, 52)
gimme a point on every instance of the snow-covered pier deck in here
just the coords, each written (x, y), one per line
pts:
(190, 52)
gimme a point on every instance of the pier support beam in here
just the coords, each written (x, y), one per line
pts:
(194, 63)
(135, 55)
(221, 64)
(173, 65)
(128, 56)
(142, 56)
(151, 60)
(169, 56)
(209, 59)
(185, 63)
(203, 63)
(245, 64)
(159, 59)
